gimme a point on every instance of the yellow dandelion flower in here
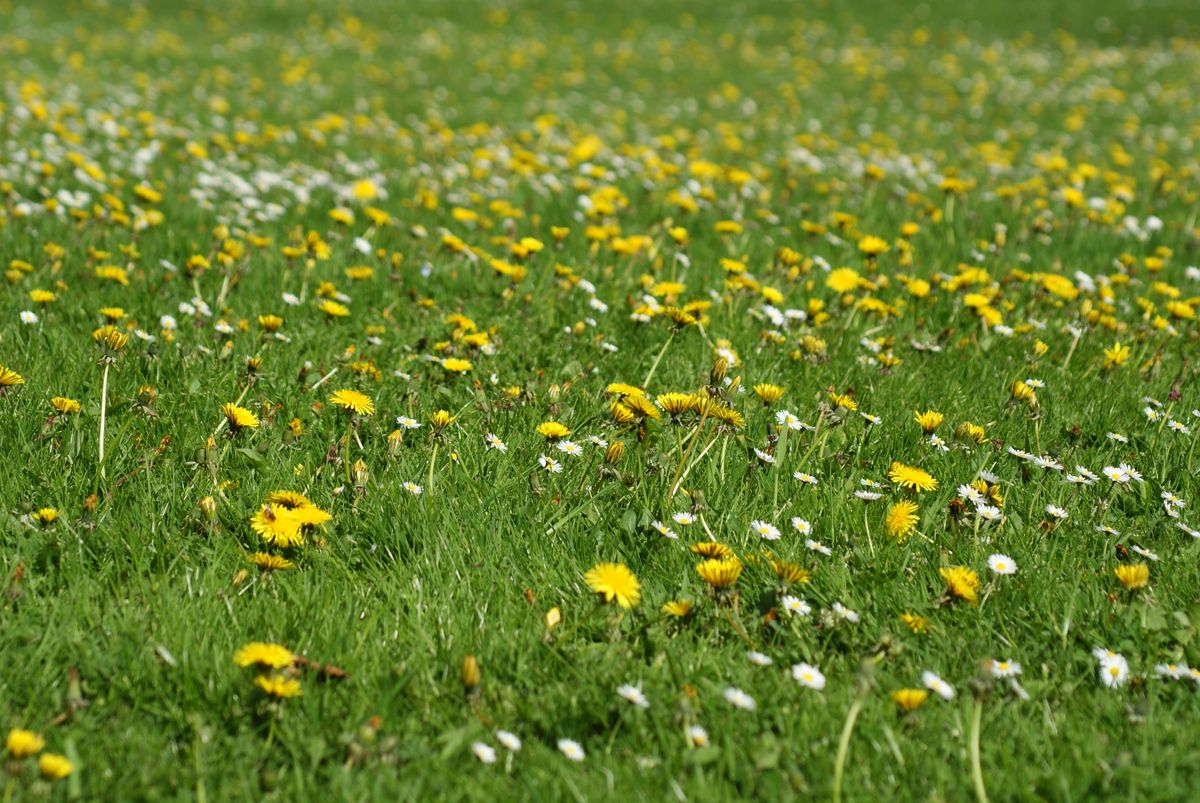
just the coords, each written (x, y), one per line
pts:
(278, 526)
(679, 608)
(901, 520)
(910, 699)
(54, 767)
(872, 246)
(621, 389)
(333, 309)
(912, 478)
(552, 430)
(712, 549)
(271, 563)
(239, 418)
(961, 582)
(22, 743)
(678, 403)
(277, 687)
(615, 582)
(929, 420)
(62, 404)
(915, 622)
(455, 365)
(10, 378)
(720, 573)
(1133, 576)
(354, 401)
(790, 572)
(768, 393)
(1116, 355)
(47, 515)
(441, 419)
(262, 653)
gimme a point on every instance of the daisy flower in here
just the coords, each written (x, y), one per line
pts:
(633, 695)
(510, 741)
(795, 606)
(758, 658)
(801, 525)
(404, 422)
(1114, 671)
(550, 464)
(663, 529)
(1003, 669)
(697, 736)
(1057, 512)
(571, 749)
(804, 477)
(765, 529)
(684, 518)
(936, 685)
(1002, 564)
(485, 753)
(412, 488)
(739, 699)
(569, 448)
(769, 459)
(493, 442)
(817, 546)
(808, 676)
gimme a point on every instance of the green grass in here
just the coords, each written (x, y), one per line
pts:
(147, 599)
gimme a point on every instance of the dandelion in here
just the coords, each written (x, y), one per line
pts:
(678, 608)
(239, 418)
(278, 687)
(961, 582)
(615, 582)
(720, 573)
(259, 653)
(929, 420)
(353, 401)
(64, 406)
(910, 699)
(1133, 576)
(808, 676)
(552, 430)
(54, 767)
(915, 622)
(911, 478)
(768, 393)
(901, 520)
(23, 743)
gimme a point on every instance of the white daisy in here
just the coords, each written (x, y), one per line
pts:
(817, 546)
(1002, 564)
(808, 676)
(550, 464)
(758, 658)
(805, 477)
(1057, 512)
(684, 518)
(484, 753)
(936, 685)
(795, 606)
(494, 442)
(698, 736)
(412, 488)
(765, 529)
(663, 529)
(801, 525)
(571, 749)
(569, 448)
(739, 699)
(404, 422)
(29, 317)
(633, 695)
(510, 740)
(1003, 669)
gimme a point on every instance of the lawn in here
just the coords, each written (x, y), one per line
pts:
(571, 401)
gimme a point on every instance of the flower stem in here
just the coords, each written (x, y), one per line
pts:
(657, 360)
(976, 767)
(103, 417)
(432, 461)
(839, 764)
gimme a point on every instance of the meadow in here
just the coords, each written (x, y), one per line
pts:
(570, 401)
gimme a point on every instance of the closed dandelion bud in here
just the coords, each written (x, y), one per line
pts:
(471, 677)
(395, 441)
(614, 452)
(552, 619)
(554, 393)
(226, 350)
(717, 375)
(360, 473)
(208, 506)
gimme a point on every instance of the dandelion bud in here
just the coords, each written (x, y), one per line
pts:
(717, 375)
(552, 619)
(472, 678)
(441, 419)
(360, 473)
(395, 442)
(208, 506)
(614, 452)
(554, 392)
(110, 338)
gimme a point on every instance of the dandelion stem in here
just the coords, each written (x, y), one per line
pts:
(839, 763)
(976, 767)
(658, 359)
(684, 457)
(103, 418)
(432, 461)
